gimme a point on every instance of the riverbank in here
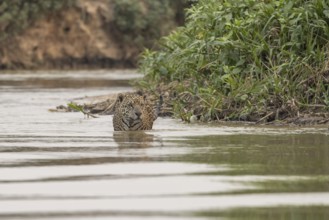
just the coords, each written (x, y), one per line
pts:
(245, 62)
(103, 105)
(82, 34)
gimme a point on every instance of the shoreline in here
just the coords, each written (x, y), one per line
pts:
(102, 105)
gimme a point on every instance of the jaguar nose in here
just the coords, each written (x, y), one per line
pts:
(138, 114)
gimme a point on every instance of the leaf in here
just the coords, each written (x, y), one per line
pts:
(240, 62)
(80, 109)
(244, 97)
(75, 107)
(236, 70)
(163, 70)
(326, 13)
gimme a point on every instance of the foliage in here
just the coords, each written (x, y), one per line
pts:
(80, 108)
(16, 15)
(140, 22)
(248, 60)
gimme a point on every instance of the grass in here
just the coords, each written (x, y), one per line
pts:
(245, 60)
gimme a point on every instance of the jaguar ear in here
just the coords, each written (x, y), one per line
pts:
(120, 97)
(139, 92)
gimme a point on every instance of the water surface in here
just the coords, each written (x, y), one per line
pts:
(66, 166)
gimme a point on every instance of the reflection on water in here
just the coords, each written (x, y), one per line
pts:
(135, 139)
(278, 213)
(284, 154)
(63, 166)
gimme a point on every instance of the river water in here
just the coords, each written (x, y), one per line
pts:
(65, 166)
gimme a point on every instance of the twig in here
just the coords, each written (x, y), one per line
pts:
(265, 117)
(80, 109)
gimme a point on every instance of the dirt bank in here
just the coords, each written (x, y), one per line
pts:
(81, 36)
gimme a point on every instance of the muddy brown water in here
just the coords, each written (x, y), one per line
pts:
(65, 166)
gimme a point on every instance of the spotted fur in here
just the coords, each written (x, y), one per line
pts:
(133, 112)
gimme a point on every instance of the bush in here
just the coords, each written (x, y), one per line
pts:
(15, 15)
(247, 60)
(142, 22)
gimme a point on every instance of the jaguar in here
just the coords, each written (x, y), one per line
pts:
(134, 112)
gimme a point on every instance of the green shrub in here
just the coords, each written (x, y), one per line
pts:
(142, 22)
(248, 59)
(15, 15)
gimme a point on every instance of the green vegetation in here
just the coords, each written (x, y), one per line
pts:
(15, 15)
(270, 213)
(79, 108)
(245, 60)
(140, 23)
